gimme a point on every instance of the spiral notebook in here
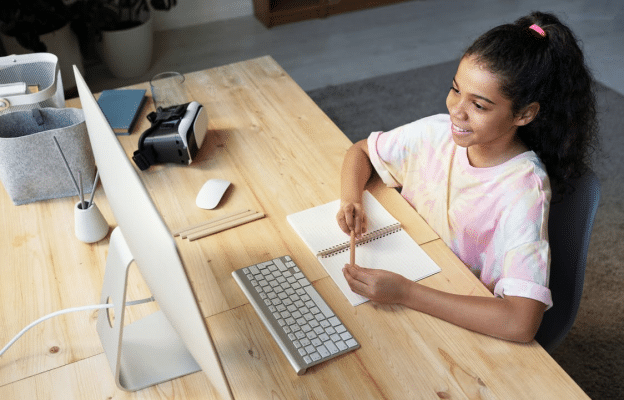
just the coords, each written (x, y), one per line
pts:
(384, 246)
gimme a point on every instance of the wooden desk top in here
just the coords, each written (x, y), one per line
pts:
(283, 155)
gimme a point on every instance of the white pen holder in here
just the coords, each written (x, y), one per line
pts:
(90, 225)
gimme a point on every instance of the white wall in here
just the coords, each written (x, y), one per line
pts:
(195, 12)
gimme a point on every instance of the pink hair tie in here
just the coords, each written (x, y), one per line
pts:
(537, 29)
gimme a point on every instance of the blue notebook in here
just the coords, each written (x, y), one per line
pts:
(122, 108)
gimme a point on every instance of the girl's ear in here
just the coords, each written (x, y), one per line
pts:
(528, 114)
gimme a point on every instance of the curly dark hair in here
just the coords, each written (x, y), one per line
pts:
(549, 68)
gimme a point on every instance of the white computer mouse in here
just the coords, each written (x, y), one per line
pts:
(211, 193)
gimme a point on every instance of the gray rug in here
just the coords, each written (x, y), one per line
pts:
(593, 352)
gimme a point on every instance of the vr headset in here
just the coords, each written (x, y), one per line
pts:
(175, 136)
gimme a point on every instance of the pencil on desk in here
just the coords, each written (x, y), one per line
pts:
(216, 224)
(182, 231)
(221, 227)
(352, 248)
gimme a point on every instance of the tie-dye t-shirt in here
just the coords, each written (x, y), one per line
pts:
(495, 219)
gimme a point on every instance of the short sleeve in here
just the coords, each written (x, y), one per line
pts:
(526, 270)
(379, 148)
(395, 154)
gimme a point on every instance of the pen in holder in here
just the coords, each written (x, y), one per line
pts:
(90, 225)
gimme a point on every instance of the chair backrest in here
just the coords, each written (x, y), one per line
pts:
(569, 229)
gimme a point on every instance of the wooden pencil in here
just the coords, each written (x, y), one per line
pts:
(216, 224)
(222, 227)
(352, 249)
(210, 221)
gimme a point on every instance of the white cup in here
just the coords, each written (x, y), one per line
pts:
(90, 225)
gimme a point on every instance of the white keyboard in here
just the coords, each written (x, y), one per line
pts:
(302, 324)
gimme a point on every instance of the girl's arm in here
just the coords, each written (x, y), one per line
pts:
(511, 318)
(356, 171)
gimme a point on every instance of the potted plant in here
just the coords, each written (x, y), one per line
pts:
(42, 26)
(27, 20)
(122, 32)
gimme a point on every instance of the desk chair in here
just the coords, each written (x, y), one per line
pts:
(569, 229)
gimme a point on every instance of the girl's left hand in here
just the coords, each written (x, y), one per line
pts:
(378, 285)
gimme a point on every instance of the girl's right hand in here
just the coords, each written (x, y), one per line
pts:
(351, 217)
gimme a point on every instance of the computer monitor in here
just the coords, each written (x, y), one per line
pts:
(173, 341)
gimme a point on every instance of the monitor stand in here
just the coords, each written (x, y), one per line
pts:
(146, 352)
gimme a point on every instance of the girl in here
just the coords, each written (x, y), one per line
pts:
(521, 118)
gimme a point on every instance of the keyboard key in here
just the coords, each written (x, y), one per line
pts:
(346, 335)
(331, 347)
(323, 351)
(320, 303)
(334, 321)
(280, 265)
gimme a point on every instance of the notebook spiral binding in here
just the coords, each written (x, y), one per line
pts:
(366, 238)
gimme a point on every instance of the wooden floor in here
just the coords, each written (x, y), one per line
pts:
(363, 44)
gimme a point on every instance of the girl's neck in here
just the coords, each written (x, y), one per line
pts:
(484, 156)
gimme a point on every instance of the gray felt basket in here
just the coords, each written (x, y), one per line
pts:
(31, 166)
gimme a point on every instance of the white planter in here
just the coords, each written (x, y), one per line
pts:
(63, 44)
(128, 52)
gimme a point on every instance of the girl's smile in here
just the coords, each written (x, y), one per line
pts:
(457, 131)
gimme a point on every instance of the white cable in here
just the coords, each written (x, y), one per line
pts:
(69, 310)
